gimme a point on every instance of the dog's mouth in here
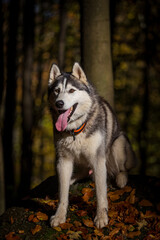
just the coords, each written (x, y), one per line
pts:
(64, 117)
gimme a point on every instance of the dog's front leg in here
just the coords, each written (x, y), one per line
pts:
(64, 169)
(100, 173)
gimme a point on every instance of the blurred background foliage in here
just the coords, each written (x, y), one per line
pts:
(135, 37)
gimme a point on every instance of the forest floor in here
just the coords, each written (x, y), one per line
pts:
(134, 213)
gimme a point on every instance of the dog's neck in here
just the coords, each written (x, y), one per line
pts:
(80, 129)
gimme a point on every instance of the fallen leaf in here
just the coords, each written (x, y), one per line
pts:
(73, 208)
(66, 225)
(92, 185)
(127, 189)
(114, 231)
(133, 234)
(58, 229)
(145, 203)
(81, 213)
(88, 237)
(42, 216)
(98, 232)
(12, 236)
(77, 224)
(142, 224)
(112, 213)
(36, 229)
(20, 231)
(148, 214)
(131, 198)
(74, 235)
(12, 220)
(35, 220)
(129, 219)
(88, 223)
(30, 218)
(88, 193)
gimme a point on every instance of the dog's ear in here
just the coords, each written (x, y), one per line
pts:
(54, 73)
(79, 73)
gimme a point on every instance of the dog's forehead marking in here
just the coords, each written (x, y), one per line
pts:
(64, 83)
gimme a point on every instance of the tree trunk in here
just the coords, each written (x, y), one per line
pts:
(10, 101)
(143, 132)
(1, 54)
(62, 33)
(27, 103)
(2, 184)
(96, 46)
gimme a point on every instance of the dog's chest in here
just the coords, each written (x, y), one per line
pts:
(81, 146)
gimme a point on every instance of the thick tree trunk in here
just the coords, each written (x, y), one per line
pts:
(10, 101)
(96, 46)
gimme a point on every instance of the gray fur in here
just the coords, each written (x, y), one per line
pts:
(102, 146)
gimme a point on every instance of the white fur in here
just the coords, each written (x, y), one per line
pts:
(70, 152)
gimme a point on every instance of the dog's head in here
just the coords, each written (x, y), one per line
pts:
(69, 97)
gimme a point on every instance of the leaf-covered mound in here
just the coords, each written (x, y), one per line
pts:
(133, 214)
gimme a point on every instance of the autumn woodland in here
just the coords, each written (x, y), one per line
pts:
(118, 45)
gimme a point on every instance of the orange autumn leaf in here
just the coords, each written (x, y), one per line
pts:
(114, 197)
(98, 232)
(77, 224)
(12, 236)
(148, 214)
(66, 225)
(114, 231)
(12, 220)
(129, 219)
(88, 223)
(88, 193)
(133, 234)
(42, 216)
(58, 229)
(82, 213)
(145, 203)
(30, 218)
(127, 189)
(36, 229)
(20, 231)
(112, 213)
(92, 185)
(131, 198)
(35, 220)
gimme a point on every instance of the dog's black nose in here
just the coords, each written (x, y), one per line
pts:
(59, 104)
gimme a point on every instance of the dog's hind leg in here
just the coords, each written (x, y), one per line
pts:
(124, 159)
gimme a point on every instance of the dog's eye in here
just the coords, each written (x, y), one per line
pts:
(57, 91)
(72, 90)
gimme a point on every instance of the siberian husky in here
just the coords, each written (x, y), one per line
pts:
(87, 135)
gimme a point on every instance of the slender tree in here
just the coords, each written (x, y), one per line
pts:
(2, 185)
(62, 33)
(96, 46)
(143, 131)
(27, 102)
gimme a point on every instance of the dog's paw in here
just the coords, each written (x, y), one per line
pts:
(122, 179)
(56, 220)
(101, 220)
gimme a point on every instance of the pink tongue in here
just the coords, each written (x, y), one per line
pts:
(61, 123)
